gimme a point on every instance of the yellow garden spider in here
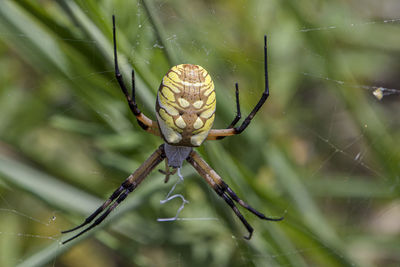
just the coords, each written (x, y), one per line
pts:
(185, 110)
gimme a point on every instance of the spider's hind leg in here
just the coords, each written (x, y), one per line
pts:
(217, 134)
(143, 121)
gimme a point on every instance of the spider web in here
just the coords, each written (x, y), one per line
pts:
(341, 146)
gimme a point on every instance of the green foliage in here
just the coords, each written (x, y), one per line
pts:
(322, 151)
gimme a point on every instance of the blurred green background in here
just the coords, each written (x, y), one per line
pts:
(323, 151)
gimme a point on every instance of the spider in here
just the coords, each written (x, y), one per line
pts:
(185, 111)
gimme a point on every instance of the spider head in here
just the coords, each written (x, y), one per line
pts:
(185, 105)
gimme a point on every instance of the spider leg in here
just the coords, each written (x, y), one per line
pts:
(103, 216)
(223, 190)
(121, 193)
(233, 195)
(167, 171)
(100, 209)
(220, 133)
(238, 113)
(237, 212)
(143, 121)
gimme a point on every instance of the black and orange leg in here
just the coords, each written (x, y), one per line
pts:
(144, 122)
(121, 193)
(224, 191)
(216, 134)
(238, 113)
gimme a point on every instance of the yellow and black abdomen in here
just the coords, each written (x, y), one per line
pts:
(185, 105)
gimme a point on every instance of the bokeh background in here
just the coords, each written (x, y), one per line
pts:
(323, 151)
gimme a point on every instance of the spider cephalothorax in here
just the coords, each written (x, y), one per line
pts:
(185, 110)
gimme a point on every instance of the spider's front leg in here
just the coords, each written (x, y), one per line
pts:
(144, 122)
(224, 191)
(121, 193)
(216, 134)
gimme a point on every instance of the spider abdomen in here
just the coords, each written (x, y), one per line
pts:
(185, 105)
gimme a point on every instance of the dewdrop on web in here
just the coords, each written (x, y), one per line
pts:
(378, 93)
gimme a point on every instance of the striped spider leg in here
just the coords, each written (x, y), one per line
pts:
(224, 191)
(121, 193)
